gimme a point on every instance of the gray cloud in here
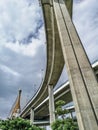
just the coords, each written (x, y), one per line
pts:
(29, 70)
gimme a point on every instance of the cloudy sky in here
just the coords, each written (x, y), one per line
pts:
(23, 48)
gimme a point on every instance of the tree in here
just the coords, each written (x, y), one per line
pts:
(17, 124)
(59, 111)
(64, 123)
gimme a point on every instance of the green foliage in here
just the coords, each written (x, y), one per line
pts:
(17, 124)
(59, 111)
(60, 103)
(63, 124)
(66, 124)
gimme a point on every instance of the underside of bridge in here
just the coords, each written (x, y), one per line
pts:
(55, 60)
(65, 47)
(63, 93)
(42, 110)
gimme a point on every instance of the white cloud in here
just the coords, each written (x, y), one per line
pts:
(27, 49)
(20, 23)
(6, 69)
(18, 20)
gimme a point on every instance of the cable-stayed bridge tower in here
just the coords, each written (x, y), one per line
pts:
(16, 106)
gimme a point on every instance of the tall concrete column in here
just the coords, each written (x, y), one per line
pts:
(84, 86)
(32, 116)
(51, 104)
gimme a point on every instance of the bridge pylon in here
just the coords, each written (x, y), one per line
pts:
(16, 106)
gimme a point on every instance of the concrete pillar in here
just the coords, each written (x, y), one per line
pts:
(51, 104)
(82, 80)
(32, 116)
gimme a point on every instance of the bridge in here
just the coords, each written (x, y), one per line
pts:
(64, 47)
(55, 60)
(41, 112)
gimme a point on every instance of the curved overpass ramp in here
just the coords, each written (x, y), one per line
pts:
(62, 93)
(55, 61)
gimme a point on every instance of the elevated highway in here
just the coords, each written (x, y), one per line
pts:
(64, 47)
(41, 112)
(55, 60)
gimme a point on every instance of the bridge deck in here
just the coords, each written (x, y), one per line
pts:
(55, 61)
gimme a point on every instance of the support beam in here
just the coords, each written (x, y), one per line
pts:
(32, 116)
(82, 80)
(51, 104)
